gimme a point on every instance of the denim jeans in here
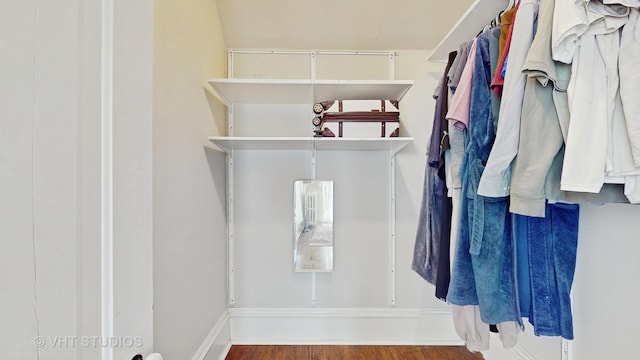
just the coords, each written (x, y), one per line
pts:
(551, 244)
(487, 278)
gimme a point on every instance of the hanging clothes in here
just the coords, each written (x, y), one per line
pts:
(592, 95)
(551, 243)
(483, 262)
(506, 32)
(431, 254)
(497, 174)
(522, 172)
(589, 38)
(460, 103)
(540, 130)
(630, 83)
(455, 71)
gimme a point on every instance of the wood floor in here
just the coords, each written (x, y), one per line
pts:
(332, 352)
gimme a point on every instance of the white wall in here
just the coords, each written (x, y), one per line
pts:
(39, 177)
(266, 286)
(606, 286)
(188, 177)
(50, 179)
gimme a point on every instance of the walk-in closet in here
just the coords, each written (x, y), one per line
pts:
(181, 177)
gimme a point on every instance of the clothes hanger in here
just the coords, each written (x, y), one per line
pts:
(510, 5)
(495, 22)
(498, 18)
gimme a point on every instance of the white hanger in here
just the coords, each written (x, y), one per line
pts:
(496, 20)
(510, 4)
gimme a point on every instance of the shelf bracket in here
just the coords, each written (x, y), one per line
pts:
(392, 239)
(313, 159)
(314, 68)
(230, 230)
(230, 199)
(230, 64)
(392, 65)
(314, 276)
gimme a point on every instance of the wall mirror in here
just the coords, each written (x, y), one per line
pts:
(313, 225)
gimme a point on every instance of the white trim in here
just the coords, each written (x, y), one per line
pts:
(523, 353)
(354, 52)
(219, 338)
(223, 354)
(106, 166)
(498, 352)
(344, 326)
(307, 52)
(217, 343)
(427, 342)
(567, 349)
(337, 312)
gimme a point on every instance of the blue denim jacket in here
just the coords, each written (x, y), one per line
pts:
(483, 270)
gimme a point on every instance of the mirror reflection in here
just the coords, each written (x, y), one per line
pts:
(313, 225)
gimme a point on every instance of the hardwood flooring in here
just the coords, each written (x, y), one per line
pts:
(351, 352)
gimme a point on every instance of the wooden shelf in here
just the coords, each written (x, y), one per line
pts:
(227, 143)
(284, 91)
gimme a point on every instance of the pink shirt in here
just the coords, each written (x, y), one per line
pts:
(459, 107)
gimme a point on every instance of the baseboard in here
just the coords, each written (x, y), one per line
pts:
(524, 355)
(376, 326)
(498, 352)
(217, 343)
(371, 326)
